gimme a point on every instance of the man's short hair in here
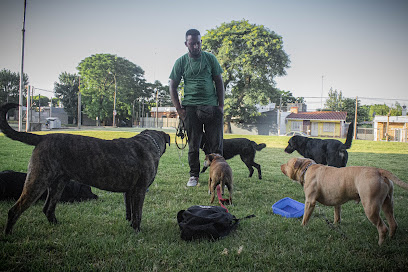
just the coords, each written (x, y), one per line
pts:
(192, 32)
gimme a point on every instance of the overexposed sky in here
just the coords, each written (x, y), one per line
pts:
(358, 46)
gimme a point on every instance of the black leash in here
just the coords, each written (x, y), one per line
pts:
(182, 134)
(331, 225)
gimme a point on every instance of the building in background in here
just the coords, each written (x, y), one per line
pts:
(318, 124)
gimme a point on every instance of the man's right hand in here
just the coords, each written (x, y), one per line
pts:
(182, 113)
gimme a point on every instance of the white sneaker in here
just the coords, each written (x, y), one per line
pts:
(192, 181)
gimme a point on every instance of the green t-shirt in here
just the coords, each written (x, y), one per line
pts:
(199, 88)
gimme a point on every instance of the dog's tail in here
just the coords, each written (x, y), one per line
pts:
(350, 135)
(393, 178)
(258, 147)
(24, 137)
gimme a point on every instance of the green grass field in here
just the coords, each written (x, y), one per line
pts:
(94, 235)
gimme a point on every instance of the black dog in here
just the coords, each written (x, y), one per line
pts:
(328, 152)
(243, 147)
(12, 183)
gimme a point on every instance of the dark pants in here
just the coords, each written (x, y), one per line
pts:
(200, 119)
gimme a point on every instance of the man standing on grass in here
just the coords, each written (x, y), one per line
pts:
(202, 107)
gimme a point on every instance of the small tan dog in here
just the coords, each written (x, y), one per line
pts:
(333, 186)
(220, 173)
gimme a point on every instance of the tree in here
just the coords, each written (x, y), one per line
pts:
(100, 74)
(287, 97)
(379, 109)
(67, 91)
(384, 110)
(349, 105)
(335, 100)
(164, 98)
(55, 101)
(10, 86)
(40, 100)
(397, 110)
(251, 57)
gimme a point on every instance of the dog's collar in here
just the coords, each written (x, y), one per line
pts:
(304, 170)
(155, 143)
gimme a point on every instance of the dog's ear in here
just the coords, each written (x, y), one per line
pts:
(298, 163)
(290, 141)
(210, 157)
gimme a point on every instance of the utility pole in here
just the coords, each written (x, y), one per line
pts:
(114, 100)
(143, 123)
(279, 115)
(355, 120)
(50, 107)
(114, 104)
(39, 109)
(157, 108)
(28, 111)
(387, 135)
(31, 103)
(321, 97)
(79, 104)
(7, 99)
(20, 109)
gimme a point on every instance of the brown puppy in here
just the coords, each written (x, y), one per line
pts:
(333, 186)
(220, 173)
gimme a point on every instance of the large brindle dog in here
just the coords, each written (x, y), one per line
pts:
(127, 165)
(333, 186)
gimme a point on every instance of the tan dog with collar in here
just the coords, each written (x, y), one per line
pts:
(333, 186)
(220, 173)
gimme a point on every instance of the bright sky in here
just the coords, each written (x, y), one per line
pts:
(358, 47)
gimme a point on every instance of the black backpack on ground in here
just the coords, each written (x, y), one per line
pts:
(206, 222)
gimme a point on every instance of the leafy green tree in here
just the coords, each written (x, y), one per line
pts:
(335, 100)
(100, 73)
(55, 101)
(67, 91)
(396, 110)
(251, 57)
(40, 100)
(164, 98)
(349, 105)
(10, 86)
(150, 92)
(379, 109)
(287, 97)
(384, 110)
(366, 111)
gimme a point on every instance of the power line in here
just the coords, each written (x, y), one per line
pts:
(314, 102)
(43, 90)
(360, 97)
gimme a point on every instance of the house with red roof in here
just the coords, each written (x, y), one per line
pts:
(318, 123)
